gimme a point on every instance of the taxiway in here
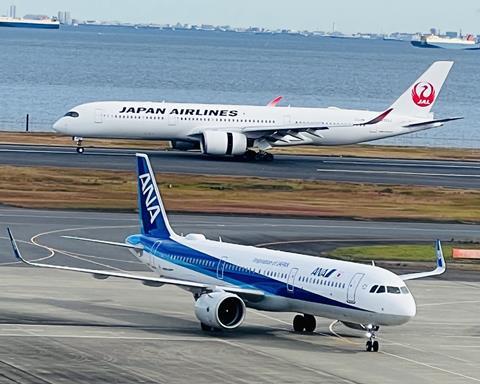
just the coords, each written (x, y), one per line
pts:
(58, 327)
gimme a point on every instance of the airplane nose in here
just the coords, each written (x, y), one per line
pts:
(60, 125)
(410, 307)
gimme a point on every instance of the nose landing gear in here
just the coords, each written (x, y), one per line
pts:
(372, 345)
(79, 140)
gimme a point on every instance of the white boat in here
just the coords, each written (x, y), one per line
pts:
(44, 23)
(434, 41)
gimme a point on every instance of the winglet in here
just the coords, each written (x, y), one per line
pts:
(441, 266)
(377, 119)
(440, 258)
(16, 251)
(275, 101)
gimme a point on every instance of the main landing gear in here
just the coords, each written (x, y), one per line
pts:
(372, 344)
(79, 141)
(304, 323)
(252, 155)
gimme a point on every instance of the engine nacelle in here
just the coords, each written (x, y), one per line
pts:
(220, 310)
(183, 145)
(220, 143)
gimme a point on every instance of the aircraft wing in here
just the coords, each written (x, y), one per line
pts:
(249, 294)
(441, 266)
(280, 132)
(124, 245)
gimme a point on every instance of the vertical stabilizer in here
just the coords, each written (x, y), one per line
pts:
(153, 219)
(419, 99)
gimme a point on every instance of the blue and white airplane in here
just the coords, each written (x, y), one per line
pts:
(227, 278)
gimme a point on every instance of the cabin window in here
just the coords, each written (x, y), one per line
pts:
(72, 114)
(373, 289)
(381, 289)
(394, 290)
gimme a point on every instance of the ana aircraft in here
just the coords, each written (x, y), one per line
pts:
(227, 278)
(249, 131)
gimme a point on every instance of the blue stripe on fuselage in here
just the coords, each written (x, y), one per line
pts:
(174, 252)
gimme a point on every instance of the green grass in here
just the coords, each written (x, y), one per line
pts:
(397, 252)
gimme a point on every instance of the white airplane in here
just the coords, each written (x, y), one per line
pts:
(226, 278)
(237, 130)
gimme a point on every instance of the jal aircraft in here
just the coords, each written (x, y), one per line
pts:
(227, 278)
(249, 131)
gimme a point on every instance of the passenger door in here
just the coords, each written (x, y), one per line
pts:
(98, 116)
(221, 268)
(154, 260)
(291, 280)
(353, 286)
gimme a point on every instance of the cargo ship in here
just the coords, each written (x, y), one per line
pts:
(468, 42)
(45, 23)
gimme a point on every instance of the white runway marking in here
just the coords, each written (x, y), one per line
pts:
(67, 152)
(406, 358)
(431, 366)
(459, 175)
(448, 303)
(418, 164)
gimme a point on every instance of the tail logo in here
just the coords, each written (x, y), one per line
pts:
(148, 193)
(423, 94)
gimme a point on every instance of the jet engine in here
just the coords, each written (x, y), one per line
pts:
(219, 143)
(183, 145)
(220, 310)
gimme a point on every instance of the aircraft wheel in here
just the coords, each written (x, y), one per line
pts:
(298, 323)
(80, 150)
(268, 157)
(250, 155)
(369, 346)
(263, 156)
(310, 323)
(375, 346)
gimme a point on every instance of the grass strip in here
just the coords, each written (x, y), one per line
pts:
(398, 252)
(72, 188)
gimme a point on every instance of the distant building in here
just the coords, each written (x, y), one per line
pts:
(64, 17)
(13, 11)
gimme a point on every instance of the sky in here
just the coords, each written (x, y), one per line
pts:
(348, 15)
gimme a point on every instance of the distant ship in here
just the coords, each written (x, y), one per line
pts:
(434, 41)
(45, 23)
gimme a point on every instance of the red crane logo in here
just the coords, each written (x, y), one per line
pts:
(423, 94)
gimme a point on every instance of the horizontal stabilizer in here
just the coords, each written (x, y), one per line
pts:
(438, 121)
(440, 269)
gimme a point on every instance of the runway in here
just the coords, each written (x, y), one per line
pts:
(62, 327)
(453, 174)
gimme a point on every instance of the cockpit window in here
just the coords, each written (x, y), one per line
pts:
(404, 290)
(381, 289)
(72, 114)
(394, 290)
(373, 289)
